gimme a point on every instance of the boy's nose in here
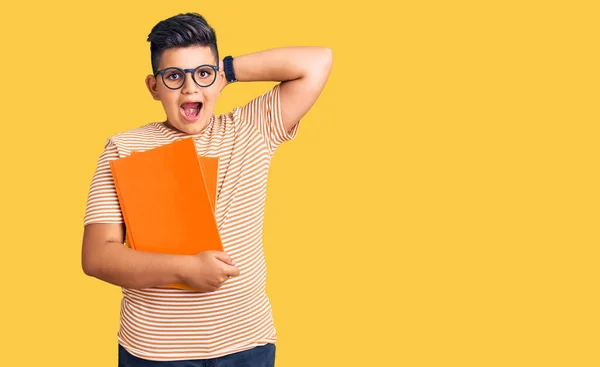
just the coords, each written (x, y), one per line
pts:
(189, 86)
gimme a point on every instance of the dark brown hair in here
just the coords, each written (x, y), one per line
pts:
(182, 30)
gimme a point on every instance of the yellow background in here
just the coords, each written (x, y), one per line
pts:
(439, 207)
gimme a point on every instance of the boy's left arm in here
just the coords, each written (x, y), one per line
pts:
(302, 71)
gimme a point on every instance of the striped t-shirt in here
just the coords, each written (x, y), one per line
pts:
(172, 324)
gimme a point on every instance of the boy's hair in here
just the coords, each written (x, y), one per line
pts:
(182, 30)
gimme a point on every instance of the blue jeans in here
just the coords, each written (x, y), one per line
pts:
(263, 356)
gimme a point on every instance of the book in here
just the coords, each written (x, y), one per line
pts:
(210, 168)
(167, 196)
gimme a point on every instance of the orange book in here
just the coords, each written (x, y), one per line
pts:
(167, 196)
(210, 168)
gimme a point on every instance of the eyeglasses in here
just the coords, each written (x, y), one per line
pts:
(203, 75)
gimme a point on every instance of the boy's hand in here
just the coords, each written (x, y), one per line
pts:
(208, 270)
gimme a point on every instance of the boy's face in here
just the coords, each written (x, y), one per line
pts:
(189, 108)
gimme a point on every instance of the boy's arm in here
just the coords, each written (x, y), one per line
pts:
(105, 257)
(303, 71)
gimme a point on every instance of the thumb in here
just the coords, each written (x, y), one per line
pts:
(224, 258)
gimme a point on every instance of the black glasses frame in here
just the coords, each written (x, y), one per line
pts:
(184, 72)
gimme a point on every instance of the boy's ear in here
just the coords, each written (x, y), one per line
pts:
(151, 85)
(222, 81)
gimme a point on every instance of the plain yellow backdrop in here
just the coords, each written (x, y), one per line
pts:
(439, 206)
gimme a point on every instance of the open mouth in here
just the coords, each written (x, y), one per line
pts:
(191, 110)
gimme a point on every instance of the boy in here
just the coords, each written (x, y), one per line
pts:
(228, 321)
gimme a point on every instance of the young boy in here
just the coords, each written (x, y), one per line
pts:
(228, 322)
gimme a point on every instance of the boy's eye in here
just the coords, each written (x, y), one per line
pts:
(204, 73)
(173, 76)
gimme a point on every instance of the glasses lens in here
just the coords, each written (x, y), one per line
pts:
(205, 75)
(173, 78)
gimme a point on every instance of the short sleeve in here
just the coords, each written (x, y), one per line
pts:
(103, 202)
(264, 113)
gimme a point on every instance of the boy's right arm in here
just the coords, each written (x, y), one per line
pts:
(105, 257)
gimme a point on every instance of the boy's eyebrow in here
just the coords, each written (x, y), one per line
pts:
(193, 67)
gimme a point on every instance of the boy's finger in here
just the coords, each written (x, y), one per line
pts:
(232, 271)
(224, 258)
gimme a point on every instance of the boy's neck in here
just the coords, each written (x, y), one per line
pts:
(168, 125)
